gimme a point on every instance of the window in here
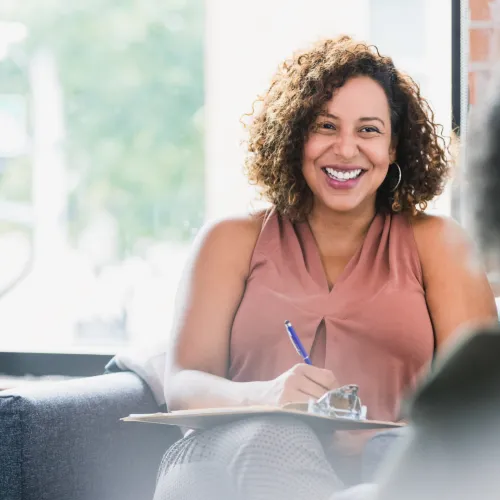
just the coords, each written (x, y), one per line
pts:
(120, 136)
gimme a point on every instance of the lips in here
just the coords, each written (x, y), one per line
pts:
(342, 174)
(343, 178)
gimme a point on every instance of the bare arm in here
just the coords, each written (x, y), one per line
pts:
(207, 300)
(457, 291)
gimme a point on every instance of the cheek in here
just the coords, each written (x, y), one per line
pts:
(379, 156)
(314, 147)
(309, 156)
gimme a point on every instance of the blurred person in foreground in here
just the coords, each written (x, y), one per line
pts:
(346, 150)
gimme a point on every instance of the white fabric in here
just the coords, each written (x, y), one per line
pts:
(149, 364)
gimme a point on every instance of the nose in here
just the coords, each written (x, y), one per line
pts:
(345, 146)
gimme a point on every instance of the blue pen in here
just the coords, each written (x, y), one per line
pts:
(297, 343)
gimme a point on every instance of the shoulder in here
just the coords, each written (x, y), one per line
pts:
(443, 244)
(239, 231)
(425, 224)
(228, 241)
(433, 232)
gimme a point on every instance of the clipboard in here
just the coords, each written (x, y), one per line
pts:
(212, 417)
(338, 409)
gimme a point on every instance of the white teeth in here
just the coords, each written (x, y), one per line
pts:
(343, 175)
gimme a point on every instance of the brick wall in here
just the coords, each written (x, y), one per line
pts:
(484, 45)
(484, 36)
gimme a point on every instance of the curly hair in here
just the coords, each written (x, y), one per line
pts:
(298, 92)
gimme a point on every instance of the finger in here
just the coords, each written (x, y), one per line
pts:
(324, 378)
(310, 387)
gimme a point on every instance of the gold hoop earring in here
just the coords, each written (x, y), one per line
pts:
(400, 177)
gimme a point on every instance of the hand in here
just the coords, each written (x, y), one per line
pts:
(299, 385)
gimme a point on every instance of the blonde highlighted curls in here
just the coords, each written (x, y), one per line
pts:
(298, 92)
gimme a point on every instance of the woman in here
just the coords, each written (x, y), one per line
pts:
(346, 150)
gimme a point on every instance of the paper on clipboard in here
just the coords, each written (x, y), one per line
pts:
(212, 417)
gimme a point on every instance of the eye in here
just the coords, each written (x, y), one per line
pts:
(370, 129)
(327, 126)
(324, 126)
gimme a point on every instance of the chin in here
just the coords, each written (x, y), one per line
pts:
(342, 206)
(344, 199)
(346, 204)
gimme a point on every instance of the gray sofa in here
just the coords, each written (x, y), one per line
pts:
(65, 440)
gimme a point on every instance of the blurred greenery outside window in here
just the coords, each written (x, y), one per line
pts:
(101, 166)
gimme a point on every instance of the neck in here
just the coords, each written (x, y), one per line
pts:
(347, 227)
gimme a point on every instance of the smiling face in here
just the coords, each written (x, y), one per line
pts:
(348, 150)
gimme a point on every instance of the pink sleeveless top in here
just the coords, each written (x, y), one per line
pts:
(372, 329)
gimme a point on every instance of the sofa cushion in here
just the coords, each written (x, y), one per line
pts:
(65, 440)
(10, 449)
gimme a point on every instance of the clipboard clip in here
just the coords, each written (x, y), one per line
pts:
(343, 402)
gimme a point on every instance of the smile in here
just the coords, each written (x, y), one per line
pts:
(343, 175)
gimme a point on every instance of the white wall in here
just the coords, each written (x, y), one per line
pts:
(438, 68)
(245, 42)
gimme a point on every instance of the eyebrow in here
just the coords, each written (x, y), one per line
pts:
(362, 119)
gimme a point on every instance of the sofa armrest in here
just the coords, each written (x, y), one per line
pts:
(65, 440)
